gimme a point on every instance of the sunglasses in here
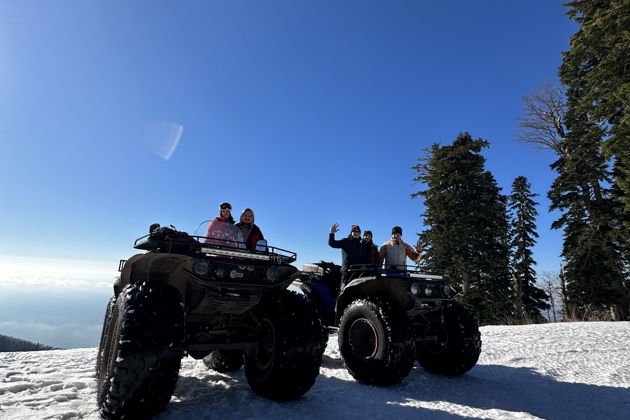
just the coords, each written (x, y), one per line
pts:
(226, 207)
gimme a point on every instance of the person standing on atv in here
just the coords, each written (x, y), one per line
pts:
(395, 252)
(369, 248)
(352, 251)
(221, 230)
(225, 214)
(251, 233)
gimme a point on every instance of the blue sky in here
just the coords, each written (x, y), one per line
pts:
(308, 112)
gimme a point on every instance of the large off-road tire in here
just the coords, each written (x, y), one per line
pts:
(142, 352)
(224, 361)
(286, 361)
(457, 344)
(101, 345)
(375, 342)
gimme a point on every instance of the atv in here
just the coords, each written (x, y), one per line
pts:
(386, 318)
(211, 299)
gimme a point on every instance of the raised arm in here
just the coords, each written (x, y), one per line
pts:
(332, 242)
(414, 255)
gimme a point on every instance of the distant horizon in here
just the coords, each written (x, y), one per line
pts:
(63, 320)
(28, 343)
(55, 302)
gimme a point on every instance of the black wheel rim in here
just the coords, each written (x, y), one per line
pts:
(363, 338)
(266, 345)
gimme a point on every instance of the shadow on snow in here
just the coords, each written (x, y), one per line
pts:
(485, 387)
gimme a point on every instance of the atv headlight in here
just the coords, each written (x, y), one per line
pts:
(272, 273)
(415, 289)
(201, 267)
(313, 269)
(428, 290)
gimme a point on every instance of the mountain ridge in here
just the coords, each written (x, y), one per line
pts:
(9, 344)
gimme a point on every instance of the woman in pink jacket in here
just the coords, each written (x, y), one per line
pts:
(221, 231)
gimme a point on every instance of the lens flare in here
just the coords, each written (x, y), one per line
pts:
(163, 137)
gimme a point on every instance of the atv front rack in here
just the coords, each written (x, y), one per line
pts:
(268, 253)
(401, 271)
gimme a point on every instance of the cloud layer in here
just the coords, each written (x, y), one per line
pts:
(55, 273)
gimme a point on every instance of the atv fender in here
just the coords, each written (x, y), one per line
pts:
(156, 267)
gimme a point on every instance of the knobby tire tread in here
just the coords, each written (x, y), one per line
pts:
(463, 346)
(297, 349)
(397, 345)
(147, 354)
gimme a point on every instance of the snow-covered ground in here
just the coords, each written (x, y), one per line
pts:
(566, 371)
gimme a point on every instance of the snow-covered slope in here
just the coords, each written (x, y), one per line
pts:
(555, 371)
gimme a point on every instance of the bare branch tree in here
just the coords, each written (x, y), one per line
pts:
(542, 123)
(551, 285)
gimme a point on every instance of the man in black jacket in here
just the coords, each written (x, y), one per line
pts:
(352, 251)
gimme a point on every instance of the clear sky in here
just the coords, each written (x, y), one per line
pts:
(117, 114)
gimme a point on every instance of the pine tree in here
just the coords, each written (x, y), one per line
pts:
(596, 71)
(594, 271)
(467, 225)
(595, 242)
(8, 343)
(529, 300)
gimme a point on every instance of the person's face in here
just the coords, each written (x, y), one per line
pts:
(396, 236)
(367, 237)
(225, 212)
(355, 233)
(247, 217)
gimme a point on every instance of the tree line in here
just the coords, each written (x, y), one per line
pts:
(8, 343)
(485, 238)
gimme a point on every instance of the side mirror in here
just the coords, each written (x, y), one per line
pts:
(261, 245)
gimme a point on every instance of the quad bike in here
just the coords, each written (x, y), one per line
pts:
(211, 299)
(387, 318)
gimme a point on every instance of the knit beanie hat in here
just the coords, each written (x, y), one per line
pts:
(243, 212)
(396, 229)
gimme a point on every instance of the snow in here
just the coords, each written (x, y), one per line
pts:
(566, 371)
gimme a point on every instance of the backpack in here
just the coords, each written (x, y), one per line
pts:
(169, 239)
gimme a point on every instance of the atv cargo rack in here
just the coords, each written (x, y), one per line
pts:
(196, 245)
(262, 253)
(358, 270)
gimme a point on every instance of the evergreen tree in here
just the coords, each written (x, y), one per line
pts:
(591, 217)
(467, 225)
(529, 300)
(8, 343)
(594, 270)
(595, 246)
(596, 69)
